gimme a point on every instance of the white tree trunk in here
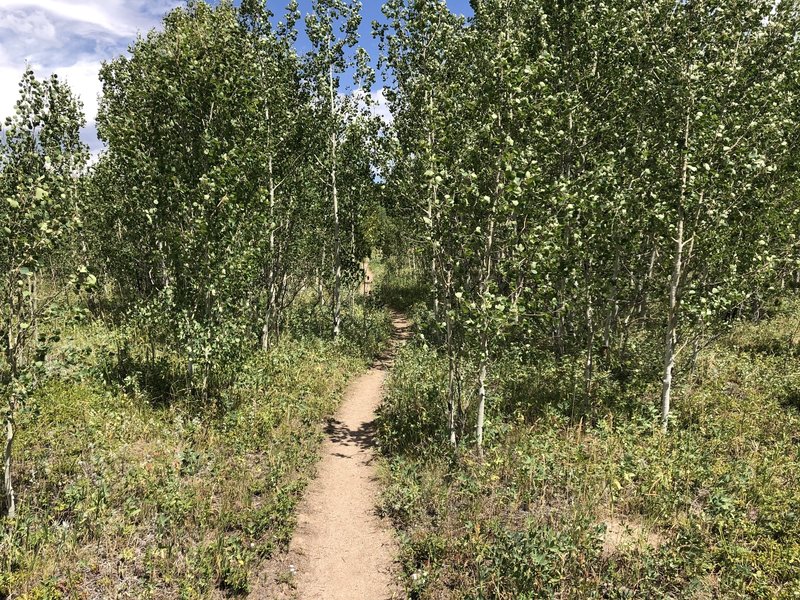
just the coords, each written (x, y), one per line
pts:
(484, 360)
(337, 258)
(451, 364)
(670, 336)
(671, 332)
(272, 284)
(8, 484)
(588, 370)
(484, 350)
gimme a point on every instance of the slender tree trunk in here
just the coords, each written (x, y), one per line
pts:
(482, 370)
(695, 353)
(559, 331)
(484, 337)
(670, 337)
(10, 351)
(588, 370)
(271, 276)
(671, 332)
(435, 286)
(337, 258)
(451, 363)
(462, 419)
(613, 312)
(623, 343)
(645, 284)
(483, 288)
(451, 391)
(206, 380)
(320, 289)
(432, 200)
(280, 306)
(8, 487)
(33, 307)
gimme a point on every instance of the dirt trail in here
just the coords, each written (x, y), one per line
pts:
(341, 548)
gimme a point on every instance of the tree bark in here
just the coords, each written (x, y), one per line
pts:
(672, 325)
(337, 258)
(588, 370)
(674, 289)
(644, 285)
(482, 369)
(8, 483)
(451, 363)
(271, 278)
(484, 337)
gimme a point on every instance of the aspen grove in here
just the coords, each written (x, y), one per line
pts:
(575, 202)
(608, 183)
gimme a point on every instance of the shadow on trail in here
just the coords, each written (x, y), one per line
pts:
(403, 330)
(363, 437)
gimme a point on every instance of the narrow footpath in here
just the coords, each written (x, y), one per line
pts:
(342, 549)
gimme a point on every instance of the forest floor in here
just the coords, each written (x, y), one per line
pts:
(130, 488)
(595, 502)
(342, 548)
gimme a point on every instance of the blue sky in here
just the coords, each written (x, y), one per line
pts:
(73, 37)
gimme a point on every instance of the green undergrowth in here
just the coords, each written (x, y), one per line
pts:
(399, 288)
(607, 506)
(124, 495)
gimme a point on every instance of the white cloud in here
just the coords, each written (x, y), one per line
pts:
(8, 91)
(33, 25)
(82, 78)
(378, 104)
(70, 38)
(116, 17)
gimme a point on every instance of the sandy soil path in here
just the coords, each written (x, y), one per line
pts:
(341, 548)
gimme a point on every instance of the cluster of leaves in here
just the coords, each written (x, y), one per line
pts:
(608, 508)
(234, 179)
(202, 219)
(576, 173)
(41, 156)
